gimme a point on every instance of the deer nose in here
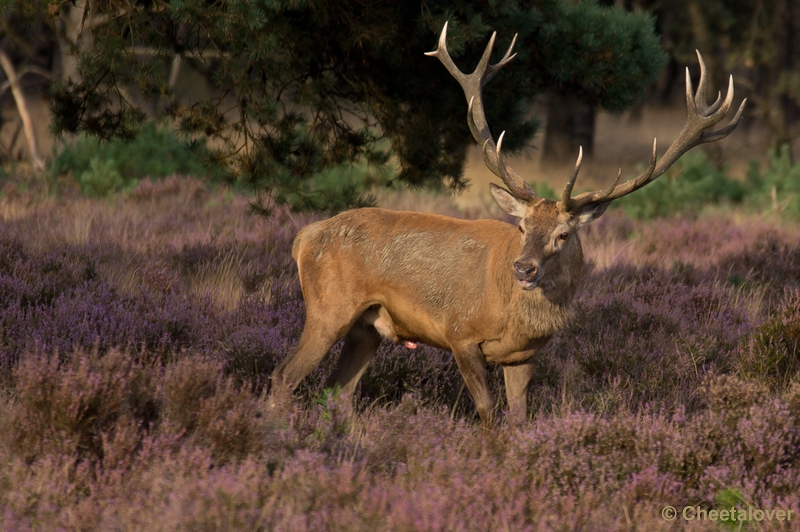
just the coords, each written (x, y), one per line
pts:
(528, 270)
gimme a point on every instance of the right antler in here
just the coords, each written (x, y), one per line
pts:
(701, 118)
(476, 118)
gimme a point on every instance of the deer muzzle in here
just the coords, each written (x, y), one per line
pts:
(528, 275)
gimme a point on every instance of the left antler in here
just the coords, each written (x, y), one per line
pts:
(701, 118)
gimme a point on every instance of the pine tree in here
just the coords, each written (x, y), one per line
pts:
(301, 86)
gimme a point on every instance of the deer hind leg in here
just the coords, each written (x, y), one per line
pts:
(319, 335)
(471, 363)
(360, 345)
(518, 378)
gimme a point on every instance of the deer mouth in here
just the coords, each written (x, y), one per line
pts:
(529, 284)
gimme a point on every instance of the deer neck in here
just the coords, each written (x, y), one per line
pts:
(544, 310)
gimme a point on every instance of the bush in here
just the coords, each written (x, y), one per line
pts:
(362, 177)
(101, 179)
(321, 192)
(778, 188)
(692, 183)
(102, 168)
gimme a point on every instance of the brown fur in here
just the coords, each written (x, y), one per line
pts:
(372, 273)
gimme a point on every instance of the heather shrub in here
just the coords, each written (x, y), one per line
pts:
(198, 400)
(731, 397)
(411, 467)
(185, 191)
(792, 398)
(771, 353)
(128, 391)
(75, 404)
(634, 329)
(771, 262)
(428, 373)
(747, 440)
(264, 333)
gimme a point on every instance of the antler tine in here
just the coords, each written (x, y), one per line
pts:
(642, 179)
(483, 64)
(697, 130)
(444, 56)
(610, 189)
(713, 136)
(726, 105)
(702, 88)
(495, 68)
(566, 195)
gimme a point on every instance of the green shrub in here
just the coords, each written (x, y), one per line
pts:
(778, 188)
(101, 179)
(692, 183)
(360, 179)
(104, 167)
(363, 176)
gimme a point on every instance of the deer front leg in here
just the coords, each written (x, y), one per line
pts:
(518, 378)
(471, 363)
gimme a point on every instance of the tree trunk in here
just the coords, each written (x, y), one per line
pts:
(74, 35)
(22, 109)
(570, 125)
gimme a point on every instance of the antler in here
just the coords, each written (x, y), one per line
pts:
(472, 85)
(701, 118)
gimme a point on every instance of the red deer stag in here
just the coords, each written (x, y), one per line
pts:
(484, 289)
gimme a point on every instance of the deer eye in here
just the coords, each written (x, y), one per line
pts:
(563, 236)
(520, 229)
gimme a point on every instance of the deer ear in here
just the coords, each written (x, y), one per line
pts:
(591, 212)
(512, 205)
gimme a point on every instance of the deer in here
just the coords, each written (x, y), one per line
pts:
(486, 290)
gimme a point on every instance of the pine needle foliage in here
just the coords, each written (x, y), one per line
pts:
(305, 86)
